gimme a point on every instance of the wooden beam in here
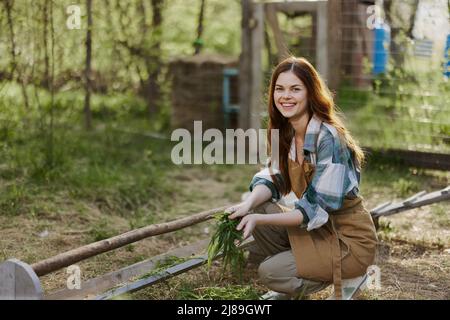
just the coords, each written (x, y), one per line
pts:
(256, 93)
(428, 160)
(322, 40)
(153, 279)
(100, 284)
(70, 257)
(420, 201)
(334, 9)
(166, 274)
(272, 20)
(244, 66)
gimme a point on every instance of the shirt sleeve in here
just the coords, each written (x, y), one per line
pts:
(264, 177)
(331, 181)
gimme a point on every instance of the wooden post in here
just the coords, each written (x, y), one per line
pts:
(334, 43)
(244, 66)
(18, 281)
(272, 19)
(322, 40)
(257, 41)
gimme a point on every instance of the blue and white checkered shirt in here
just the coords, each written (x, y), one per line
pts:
(335, 175)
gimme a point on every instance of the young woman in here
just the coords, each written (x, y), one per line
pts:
(328, 235)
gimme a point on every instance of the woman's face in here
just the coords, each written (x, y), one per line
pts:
(290, 95)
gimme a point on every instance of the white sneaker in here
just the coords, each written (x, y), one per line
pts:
(273, 295)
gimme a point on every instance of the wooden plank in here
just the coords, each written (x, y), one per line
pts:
(322, 40)
(272, 20)
(73, 256)
(244, 66)
(413, 198)
(430, 160)
(95, 286)
(430, 198)
(379, 207)
(154, 279)
(164, 274)
(334, 9)
(256, 94)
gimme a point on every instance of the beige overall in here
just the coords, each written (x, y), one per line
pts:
(343, 248)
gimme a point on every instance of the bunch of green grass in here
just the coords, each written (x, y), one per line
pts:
(224, 241)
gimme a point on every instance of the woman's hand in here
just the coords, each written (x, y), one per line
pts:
(248, 223)
(238, 210)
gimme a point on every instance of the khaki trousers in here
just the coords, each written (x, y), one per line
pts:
(278, 270)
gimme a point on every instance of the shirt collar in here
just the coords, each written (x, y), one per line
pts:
(311, 135)
(312, 132)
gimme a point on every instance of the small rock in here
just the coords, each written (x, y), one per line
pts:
(206, 230)
(447, 251)
(43, 234)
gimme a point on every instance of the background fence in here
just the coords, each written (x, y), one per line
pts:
(391, 85)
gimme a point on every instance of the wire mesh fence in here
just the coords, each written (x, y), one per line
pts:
(392, 87)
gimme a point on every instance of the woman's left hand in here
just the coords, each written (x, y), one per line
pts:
(248, 223)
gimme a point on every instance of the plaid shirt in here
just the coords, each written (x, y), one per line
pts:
(335, 176)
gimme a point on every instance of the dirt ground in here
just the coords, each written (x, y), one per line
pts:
(414, 249)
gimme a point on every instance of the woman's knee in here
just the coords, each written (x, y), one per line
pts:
(264, 272)
(268, 270)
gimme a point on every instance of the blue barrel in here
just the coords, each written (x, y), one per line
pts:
(382, 35)
(447, 58)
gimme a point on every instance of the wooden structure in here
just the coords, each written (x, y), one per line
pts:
(254, 16)
(197, 90)
(356, 42)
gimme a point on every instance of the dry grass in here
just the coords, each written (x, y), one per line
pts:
(414, 261)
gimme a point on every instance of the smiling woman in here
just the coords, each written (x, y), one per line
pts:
(327, 234)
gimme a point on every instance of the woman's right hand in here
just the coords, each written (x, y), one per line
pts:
(238, 210)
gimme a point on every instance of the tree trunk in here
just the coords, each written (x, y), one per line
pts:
(45, 83)
(14, 64)
(87, 72)
(152, 90)
(49, 148)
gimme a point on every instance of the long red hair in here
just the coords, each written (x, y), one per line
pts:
(320, 103)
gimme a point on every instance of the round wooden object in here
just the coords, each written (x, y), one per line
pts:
(18, 281)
